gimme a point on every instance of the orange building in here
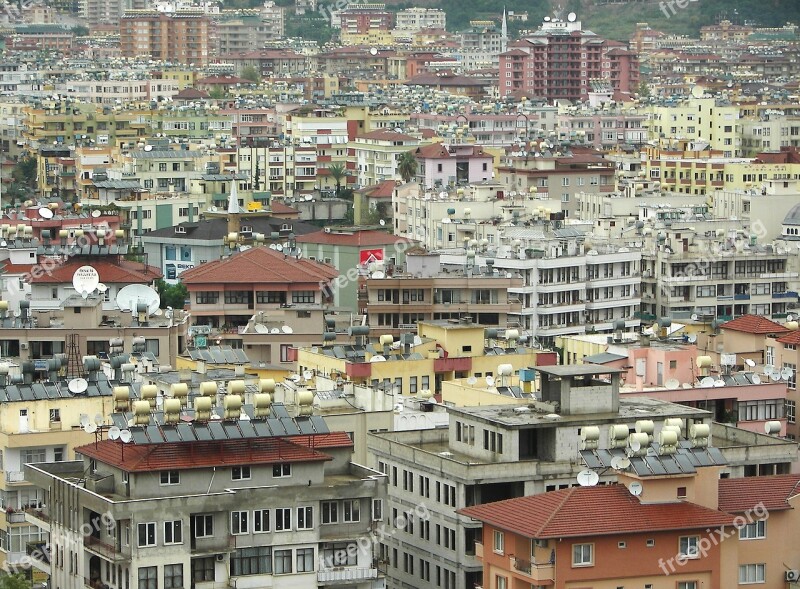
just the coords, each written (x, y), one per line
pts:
(683, 532)
(177, 37)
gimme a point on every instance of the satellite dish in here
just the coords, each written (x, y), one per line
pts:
(85, 279)
(133, 294)
(125, 435)
(377, 358)
(77, 386)
(113, 432)
(378, 275)
(756, 379)
(274, 331)
(101, 287)
(261, 328)
(148, 148)
(158, 312)
(695, 317)
(382, 222)
(308, 375)
(84, 420)
(786, 373)
(635, 488)
(287, 329)
(769, 369)
(45, 213)
(489, 381)
(750, 362)
(692, 338)
(278, 247)
(672, 384)
(96, 213)
(572, 17)
(707, 382)
(719, 383)
(588, 478)
(620, 462)
(294, 377)
(90, 428)
(472, 380)
(373, 51)
(776, 376)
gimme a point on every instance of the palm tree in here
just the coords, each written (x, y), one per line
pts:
(338, 173)
(407, 166)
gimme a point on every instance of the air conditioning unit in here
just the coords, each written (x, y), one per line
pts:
(792, 576)
(23, 345)
(220, 557)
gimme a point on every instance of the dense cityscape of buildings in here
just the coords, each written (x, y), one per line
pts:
(347, 296)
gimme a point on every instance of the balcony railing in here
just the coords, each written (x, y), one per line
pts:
(346, 574)
(15, 476)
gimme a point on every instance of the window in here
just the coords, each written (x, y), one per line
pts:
(252, 561)
(173, 532)
(377, 510)
(500, 582)
(203, 526)
(350, 510)
(751, 573)
(240, 473)
(305, 560)
(791, 382)
(499, 542)
(147, 534)
(206, 297)
(58, 455)
(240, 522)
(754, 530)
(791, 411)
(281, 470)
(681, 492)
(582, 555)
(283, 519)
(685, 585)
(339, 554)
(330, 512)
(305, 518)
(687, 546)
(148, 578)
(303, 296)
(283, 562)
(32, 455)
(55, 415)
(173, 576)
(170, 477)
(203, 569)
(261, 520)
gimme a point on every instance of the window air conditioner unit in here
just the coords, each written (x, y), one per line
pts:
(792, 575)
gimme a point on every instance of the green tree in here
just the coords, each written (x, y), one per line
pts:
(172, 295)
(251, 73)
(407, 166)
(24, 171)
(14, 581)
(217, 93)
(644, 90)
(338, 173)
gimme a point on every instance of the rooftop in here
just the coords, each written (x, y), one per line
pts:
(111, 271)
(592, 511)
(774, 492)
(355, 238)
(754, 324)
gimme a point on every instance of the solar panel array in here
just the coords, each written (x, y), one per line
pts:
(686, 459)
(56, 390)
(278, 424)
(220, 355)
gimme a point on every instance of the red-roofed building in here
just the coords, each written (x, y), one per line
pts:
(223, 83)
(374, 201)
(250, 500)
(441, 165)
(252, 297)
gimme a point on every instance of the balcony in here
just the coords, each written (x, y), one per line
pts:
(346, 575)
(15, 476)
(224, 543)
(107, 551)
(15, 517)
(38, 517)
(537, 572)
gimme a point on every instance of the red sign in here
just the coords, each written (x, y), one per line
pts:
(369, 256)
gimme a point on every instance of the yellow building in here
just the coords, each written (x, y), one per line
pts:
(697, 119)
(39, 423)
(443, 350)
(183, 78)
(371, 38)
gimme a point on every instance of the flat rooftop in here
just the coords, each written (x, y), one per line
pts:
(578, 370)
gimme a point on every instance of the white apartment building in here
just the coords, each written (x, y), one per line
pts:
(417, 18)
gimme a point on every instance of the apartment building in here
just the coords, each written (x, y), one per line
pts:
(442, 165)
(480, 46)
(441, 351)
(363, 18)
(417, 18)
(769, 130)
(281, 169)
(244, 30)
(377, 154)
(259, 505)
(280, 288)
(602, 128)
(560, 60)
(179, 37)
(426, 291)
(496, 452)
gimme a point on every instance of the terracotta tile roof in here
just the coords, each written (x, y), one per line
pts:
(223, 80)
(592, 511)
(743, 494)
(190, 93)
(188, 455)
(755, 324)
(111, 272)
(793, 337)
(259, 265)
(383, 189)
(355, 238)
(281, 209)
(432, 151)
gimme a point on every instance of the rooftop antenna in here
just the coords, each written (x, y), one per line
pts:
(635, 488)
(85, 280)
(588, 478)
